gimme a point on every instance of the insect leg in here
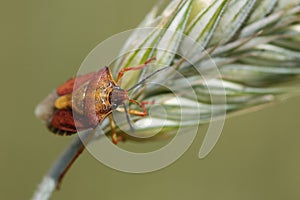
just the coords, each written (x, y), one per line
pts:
(136, 112)
(114, 136)
(121, 73)
(141, 105)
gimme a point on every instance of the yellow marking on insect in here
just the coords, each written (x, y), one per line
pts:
(63, 102)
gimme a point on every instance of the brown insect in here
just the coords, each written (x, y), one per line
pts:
(94, 97)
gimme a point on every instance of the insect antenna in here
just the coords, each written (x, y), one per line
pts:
(128, 119)
(147, 77)
(135, 86)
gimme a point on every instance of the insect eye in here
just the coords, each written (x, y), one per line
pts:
(114, 106)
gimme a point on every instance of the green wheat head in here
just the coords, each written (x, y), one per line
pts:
(254, 45)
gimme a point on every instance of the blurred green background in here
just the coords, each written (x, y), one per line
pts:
(44, 42)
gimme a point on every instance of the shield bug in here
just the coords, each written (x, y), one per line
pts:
(94, 97)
